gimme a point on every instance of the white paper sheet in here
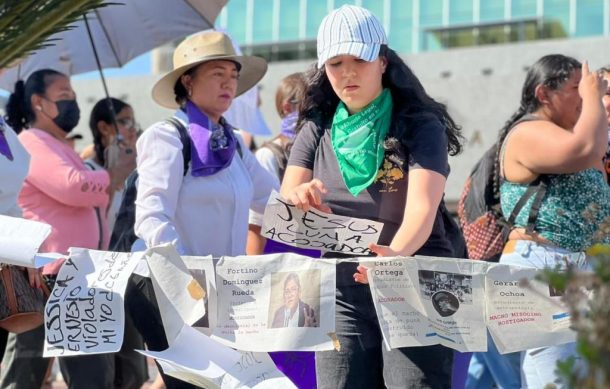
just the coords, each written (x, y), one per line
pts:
(315, 229)
(85, 312)
(20, 240)
(179, 295)
(279, 302)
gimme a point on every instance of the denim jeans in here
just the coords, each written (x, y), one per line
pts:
(363, 361)
(489, 369)
(141, 302)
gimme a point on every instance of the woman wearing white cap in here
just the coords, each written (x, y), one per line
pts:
(367, 131)
(202, 210)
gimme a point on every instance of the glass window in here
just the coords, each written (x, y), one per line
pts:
(289, 20)
(376, 6)
(589, 17)
(316, 10)
(236, 20)
(339, 3)
(492, 10)
(460, 12)
(556, 18)
(431, 13)
(523, 9)
(262, 25)
(401, 24)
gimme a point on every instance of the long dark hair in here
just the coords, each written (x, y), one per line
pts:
(551, 71)
(412, 105)
(19, 112)
(101, 111)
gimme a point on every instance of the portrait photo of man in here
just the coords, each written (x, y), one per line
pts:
(294, 312)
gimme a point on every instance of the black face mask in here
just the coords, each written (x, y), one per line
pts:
(69, 115)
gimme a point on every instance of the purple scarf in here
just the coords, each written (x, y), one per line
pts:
(289, 125)
(212, 145)
(4, 147)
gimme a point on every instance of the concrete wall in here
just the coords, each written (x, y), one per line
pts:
(480, 85)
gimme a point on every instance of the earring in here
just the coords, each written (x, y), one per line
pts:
(190, 92)
(38, 108)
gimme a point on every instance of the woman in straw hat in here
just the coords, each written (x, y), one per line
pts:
(364, 111)
(203, 211)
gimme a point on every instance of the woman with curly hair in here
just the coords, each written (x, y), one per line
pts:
(372, 144)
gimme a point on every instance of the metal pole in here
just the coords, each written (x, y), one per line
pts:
(99, 68)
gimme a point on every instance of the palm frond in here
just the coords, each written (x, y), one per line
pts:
(26, 25)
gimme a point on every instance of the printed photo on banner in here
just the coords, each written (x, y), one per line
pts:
(446, 290)
(295, 299)
(260, 297)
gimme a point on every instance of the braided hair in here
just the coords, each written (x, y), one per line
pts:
(551, 71)
(19, 112)
(101, 112)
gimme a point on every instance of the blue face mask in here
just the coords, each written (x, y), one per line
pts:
(69, 115)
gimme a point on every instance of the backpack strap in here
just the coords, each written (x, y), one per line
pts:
(538, 187)
(280, 155)
(185, 138)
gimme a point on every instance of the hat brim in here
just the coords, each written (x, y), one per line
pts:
(252, 71)
(366, 51)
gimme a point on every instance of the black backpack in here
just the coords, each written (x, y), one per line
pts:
(281, 156)
(123, 234)
(485, 229)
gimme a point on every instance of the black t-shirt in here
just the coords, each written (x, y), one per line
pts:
(385, 199)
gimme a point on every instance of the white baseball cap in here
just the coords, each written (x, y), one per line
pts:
(350, 30)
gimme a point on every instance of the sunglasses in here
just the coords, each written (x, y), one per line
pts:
(128, 123)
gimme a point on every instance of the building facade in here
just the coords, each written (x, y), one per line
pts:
(286, 29)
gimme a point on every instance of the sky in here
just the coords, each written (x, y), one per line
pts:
(138, 66)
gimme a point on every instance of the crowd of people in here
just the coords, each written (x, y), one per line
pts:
(359, 114)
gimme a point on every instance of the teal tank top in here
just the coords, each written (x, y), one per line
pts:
(575, 211)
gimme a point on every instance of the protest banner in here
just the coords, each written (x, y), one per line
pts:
(195, 358)
(20, 240)
(85, 312)
(424, 301)
(280, 302)
(524, 314)
(285, 223)
(202, 270)
(179, 296)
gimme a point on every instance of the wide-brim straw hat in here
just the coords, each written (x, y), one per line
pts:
(204, 47)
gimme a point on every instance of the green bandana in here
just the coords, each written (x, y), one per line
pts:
(358, 141)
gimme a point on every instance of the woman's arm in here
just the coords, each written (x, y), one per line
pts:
(543, 147)
(54, 173)
(160, 170)
(426, 188)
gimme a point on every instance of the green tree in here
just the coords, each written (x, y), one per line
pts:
(26, 25)
(587, 295)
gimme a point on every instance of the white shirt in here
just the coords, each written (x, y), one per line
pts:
(293, 321)
(12, 173)
(113, 208)
(268, 160)
(199, 215)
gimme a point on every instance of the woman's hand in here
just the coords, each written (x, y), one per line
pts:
(361, 277)
(381, 251)
(591, 85)
(120, 162)
(308, 195)
(35, 278)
